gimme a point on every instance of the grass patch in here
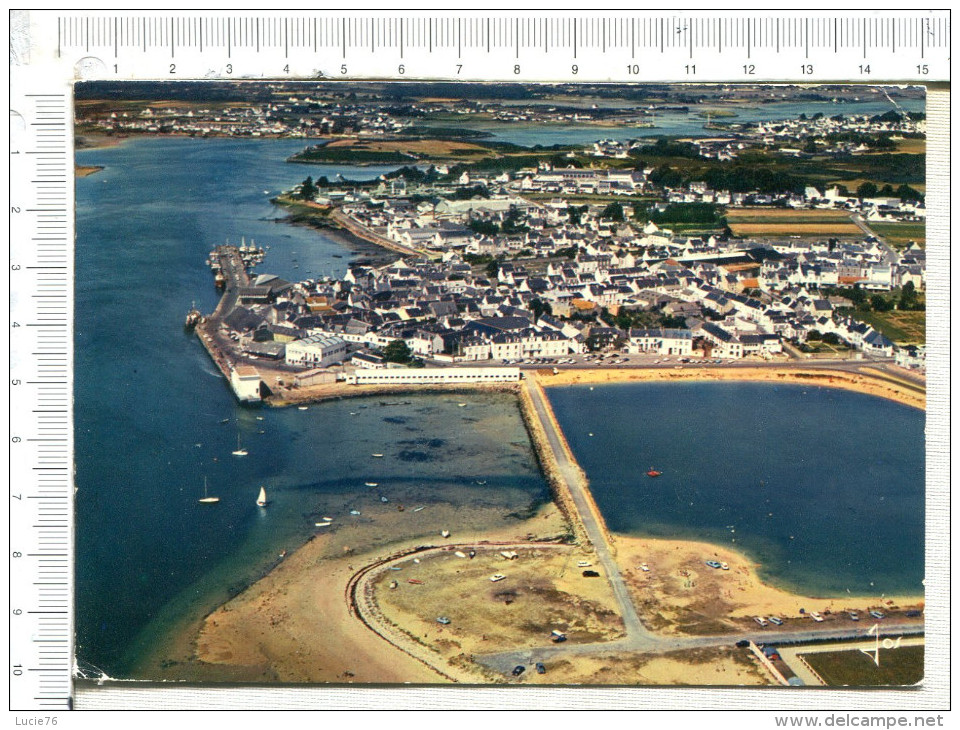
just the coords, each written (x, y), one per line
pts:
(901, 235)
(853, 668)
(900, 327)
(400, 151)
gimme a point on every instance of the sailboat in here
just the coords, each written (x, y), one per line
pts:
(206, 499)
(239, 451)
(262, 498)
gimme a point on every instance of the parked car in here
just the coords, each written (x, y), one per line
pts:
(743, 644)
(518, 670)
(854, 616)
(591, 574)
(760, 620)
(776, 621)
(877, 615)
(443, 620)
(497, 577)
(540, 668)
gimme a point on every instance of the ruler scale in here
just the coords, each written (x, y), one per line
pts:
(645, 46)
(641, 47)
(41, 444)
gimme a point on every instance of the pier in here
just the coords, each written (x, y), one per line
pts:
(244, 378)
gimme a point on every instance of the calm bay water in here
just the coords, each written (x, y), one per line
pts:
(149, 405)
(823, 487)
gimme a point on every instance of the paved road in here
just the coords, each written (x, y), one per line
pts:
(890, 255)
(505, 661)
(637, 635)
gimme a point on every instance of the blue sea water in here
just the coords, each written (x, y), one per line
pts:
(823, 487)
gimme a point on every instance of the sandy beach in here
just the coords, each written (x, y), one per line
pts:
(869, 381)
(296, 625)
(680, 594)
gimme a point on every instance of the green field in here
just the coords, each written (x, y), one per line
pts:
(901, 235)
(900, 327)
(853, 668)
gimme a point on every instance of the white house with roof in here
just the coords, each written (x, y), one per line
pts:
(661, 341)
(316, 351)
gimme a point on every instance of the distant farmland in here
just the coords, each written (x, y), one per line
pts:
(901, 234)
(900, 327)
(788, 222)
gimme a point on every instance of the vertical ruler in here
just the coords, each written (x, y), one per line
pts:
(40, 446)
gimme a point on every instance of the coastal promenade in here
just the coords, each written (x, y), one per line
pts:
(361, 231)
(587, 514)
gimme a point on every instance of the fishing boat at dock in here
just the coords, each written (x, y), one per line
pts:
(193, 317)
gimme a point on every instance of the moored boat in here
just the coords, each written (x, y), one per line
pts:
(654, 473)
(262, 498)
(206, 499)
(240, 451)
(193, 317)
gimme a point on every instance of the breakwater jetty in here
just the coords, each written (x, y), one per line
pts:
(244, 378)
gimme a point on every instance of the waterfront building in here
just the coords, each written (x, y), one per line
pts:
(245, 381)
(429, 376)
(316, 351)
(661, 341)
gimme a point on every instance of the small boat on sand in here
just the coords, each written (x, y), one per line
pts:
(355, 512)
(444, 533)
(384, 499)
(415, 581)
(417, 509)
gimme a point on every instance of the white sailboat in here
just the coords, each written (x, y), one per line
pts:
(206, 499)
(240, 451)
(262, 498)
